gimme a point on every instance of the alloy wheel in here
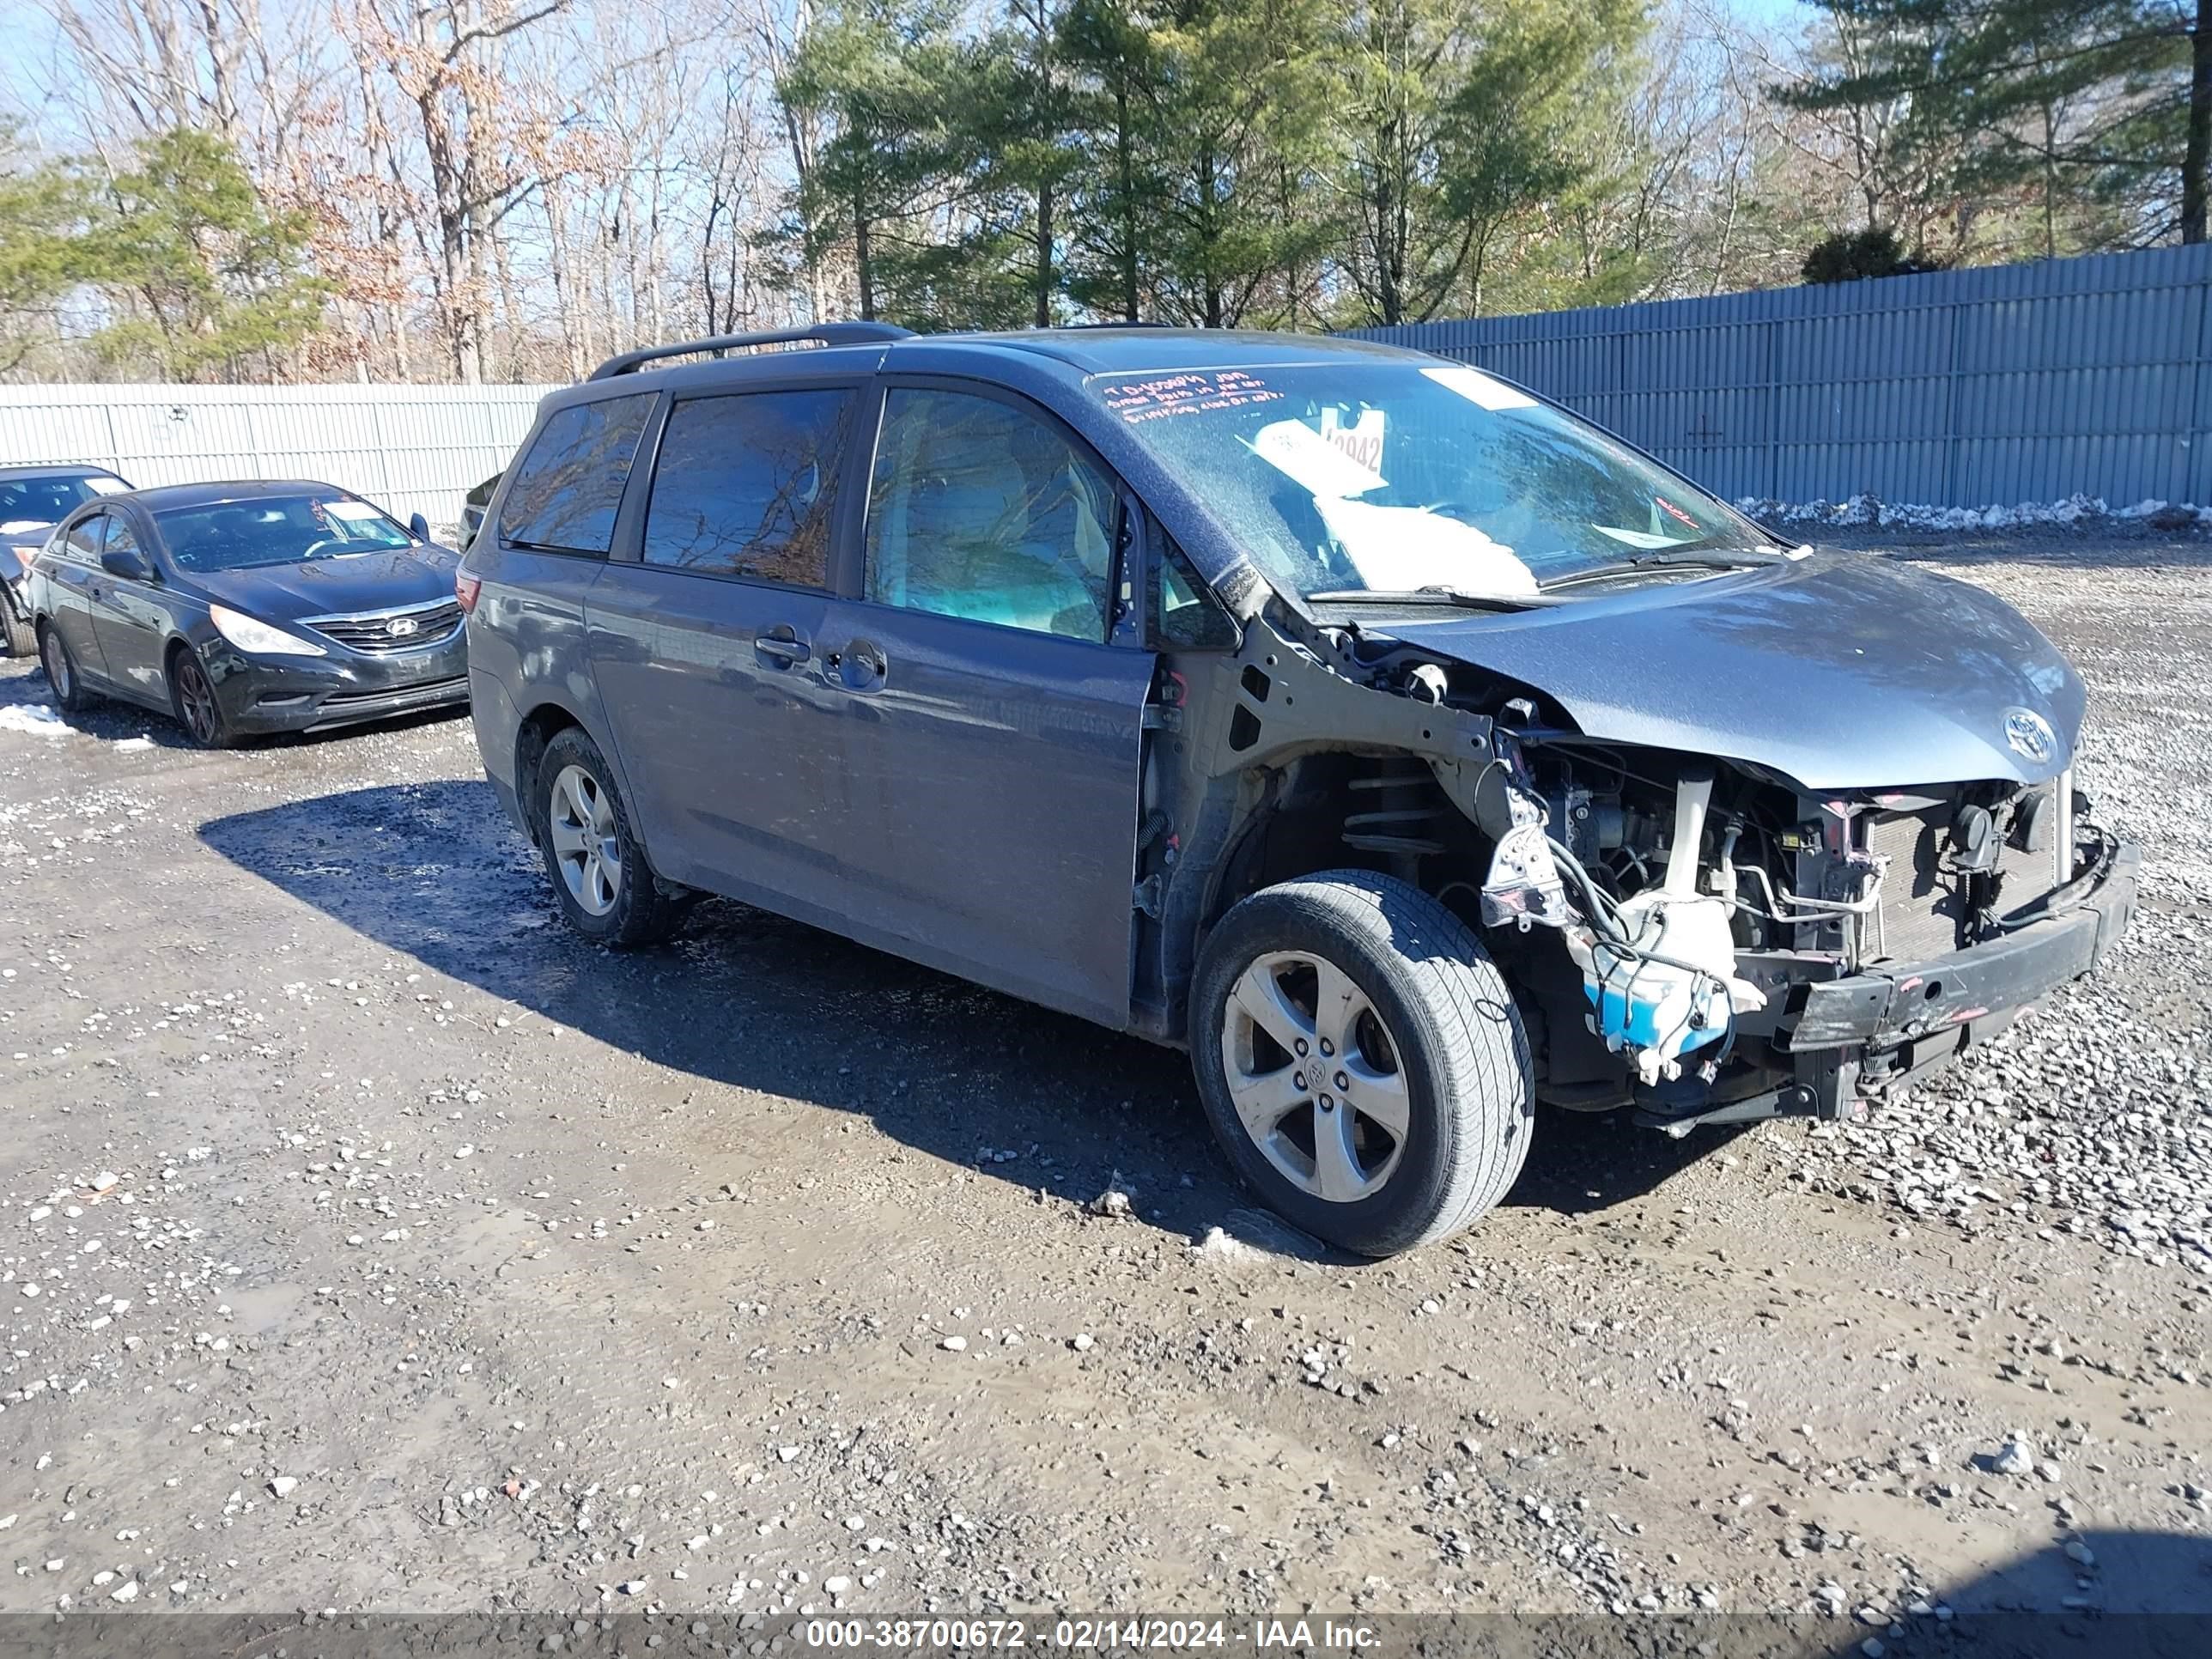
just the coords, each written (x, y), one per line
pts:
(54, 656)
(1314, 1074)
(196, 699)
(586, 841)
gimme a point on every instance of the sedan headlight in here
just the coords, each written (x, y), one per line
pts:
(248, 634)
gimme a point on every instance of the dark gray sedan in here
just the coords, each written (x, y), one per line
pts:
(33, 501)
(248, 608)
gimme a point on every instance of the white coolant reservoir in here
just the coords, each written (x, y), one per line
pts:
(1669, 985)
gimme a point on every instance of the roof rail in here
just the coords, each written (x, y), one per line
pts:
(825, 333)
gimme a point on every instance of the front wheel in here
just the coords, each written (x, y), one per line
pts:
(605, 889)
(1361, 1061)
(191, 694)
(16, 630)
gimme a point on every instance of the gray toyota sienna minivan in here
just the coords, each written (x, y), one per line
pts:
(1409, 749)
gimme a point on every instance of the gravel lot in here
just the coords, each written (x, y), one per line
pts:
(367, 1243)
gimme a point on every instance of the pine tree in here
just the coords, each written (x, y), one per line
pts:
(202, 274)
(2091, 109)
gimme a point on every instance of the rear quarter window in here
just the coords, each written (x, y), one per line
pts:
(568, 489)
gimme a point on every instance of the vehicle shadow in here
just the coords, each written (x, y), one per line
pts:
(1583, 1164)
(2121, 1594)
(748, 999)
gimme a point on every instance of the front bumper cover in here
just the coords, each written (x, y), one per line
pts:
(313, 694)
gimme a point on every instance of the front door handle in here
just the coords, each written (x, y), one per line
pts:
(781, 645)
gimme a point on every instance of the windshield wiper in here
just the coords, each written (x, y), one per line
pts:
(1735, 559)
(1431, 595)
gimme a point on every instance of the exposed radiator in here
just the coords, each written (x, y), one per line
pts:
(1921, 909)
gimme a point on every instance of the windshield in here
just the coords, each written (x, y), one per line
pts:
(25, 503)
(275, 530)
(1398, 477)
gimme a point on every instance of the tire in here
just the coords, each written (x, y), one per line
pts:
(606, 889)
(21, 639)
(193, 701)
(62, 677)
(1418, 1120)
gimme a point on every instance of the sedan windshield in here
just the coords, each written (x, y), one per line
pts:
(275, 530)
(1403, 478)
(27, 501)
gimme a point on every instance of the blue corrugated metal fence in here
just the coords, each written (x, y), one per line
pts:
(1965, 388)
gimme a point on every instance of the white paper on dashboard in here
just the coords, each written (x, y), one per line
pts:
(1403, 549)
(356, 512)
(1311, 461)
(1639, 537)
(1479, 388)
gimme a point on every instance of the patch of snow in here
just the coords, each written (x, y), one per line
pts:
(37, 718)
(1867, 509)
(141, 742)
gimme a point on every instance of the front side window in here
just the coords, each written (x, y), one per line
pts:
(83, 539)
(745, 484)
(567, 490)
(978, 509)
(1399, 477)
(1183, 616)
(121, 537)
(270, 529)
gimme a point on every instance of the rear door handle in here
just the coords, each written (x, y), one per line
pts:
(861, 666)
(781, 645)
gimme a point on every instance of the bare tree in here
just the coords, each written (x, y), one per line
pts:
(441, 56)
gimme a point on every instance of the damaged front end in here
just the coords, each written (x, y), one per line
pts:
(1740, 948)
(1697, 936)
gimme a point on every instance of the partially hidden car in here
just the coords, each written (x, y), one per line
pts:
(1405, 748)
(249, 608)
(33, 501)
(474, 506)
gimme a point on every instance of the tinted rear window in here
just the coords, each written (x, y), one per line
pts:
(567, 489)
(744, 485)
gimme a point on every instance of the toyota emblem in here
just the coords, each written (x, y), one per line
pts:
(400, 627)
(2029, 733)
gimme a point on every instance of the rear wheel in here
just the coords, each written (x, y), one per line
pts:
(1361, 1061)
(61, 670)
(606, 891)
(15, 631)
(191, 694)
